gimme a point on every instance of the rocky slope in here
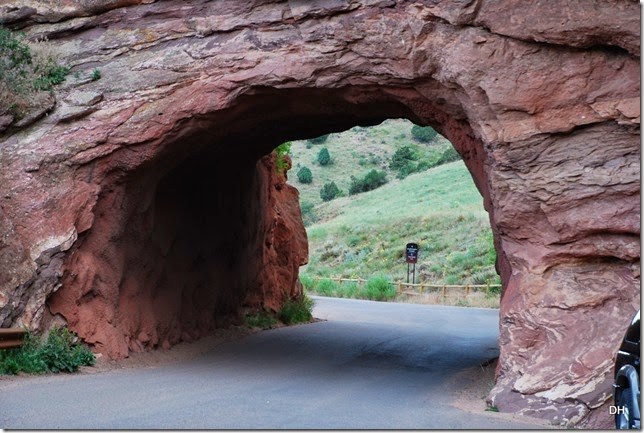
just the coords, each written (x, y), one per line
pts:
(141, 208)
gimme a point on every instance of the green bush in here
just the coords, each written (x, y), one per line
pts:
(296, 310)
(493, 291)
(370, 181)
(61, 352)
(348, 290)
(424, 134)
(378, 289)
(423, 165)
(49, 75)
(308, 213)
(406, 170)
(262, 320)
(307, 282)
(281, 164)
(304, 175)
(329, 191)
(324, 157)
(326, 288)
(24, 72)
(450, 154)
(402, 157)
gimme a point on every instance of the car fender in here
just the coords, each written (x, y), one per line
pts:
(627, 379)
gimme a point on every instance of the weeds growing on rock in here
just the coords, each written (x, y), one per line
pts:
(296, 310)
(261, 320)
(26, 68)
(281, 163)
(96, 74)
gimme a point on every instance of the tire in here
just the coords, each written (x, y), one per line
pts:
(624, 421)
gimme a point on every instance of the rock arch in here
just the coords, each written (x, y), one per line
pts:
(139, 192)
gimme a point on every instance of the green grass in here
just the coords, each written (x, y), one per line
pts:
(365, 235)
(262, 320)
(439, 209)
(377, 288)
(61, 352)
(357, 152)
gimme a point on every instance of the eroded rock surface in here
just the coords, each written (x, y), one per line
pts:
(144, 211)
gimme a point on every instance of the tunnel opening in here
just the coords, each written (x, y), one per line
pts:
(183, 241)
(367, 192)
(191, 229)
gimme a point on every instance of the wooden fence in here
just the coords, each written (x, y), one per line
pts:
(11, 337)
(418, 288)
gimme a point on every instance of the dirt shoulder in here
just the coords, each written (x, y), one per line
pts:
(473, 386)
(179, 353)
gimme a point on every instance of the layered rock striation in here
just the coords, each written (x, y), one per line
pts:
(145, 209)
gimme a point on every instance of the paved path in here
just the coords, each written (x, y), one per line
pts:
(367, 365)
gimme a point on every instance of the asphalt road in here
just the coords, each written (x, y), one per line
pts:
(366, 365)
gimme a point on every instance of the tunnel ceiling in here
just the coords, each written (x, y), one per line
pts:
(144, 208)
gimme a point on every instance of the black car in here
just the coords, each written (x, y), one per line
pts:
(626, 390)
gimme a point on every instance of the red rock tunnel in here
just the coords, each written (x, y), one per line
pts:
(145, 209)
(207, 228)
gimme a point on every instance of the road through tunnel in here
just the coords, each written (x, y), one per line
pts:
(146, 208)
(210, 230)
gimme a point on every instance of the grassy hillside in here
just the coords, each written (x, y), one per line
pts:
(356, 152)
(364, 235)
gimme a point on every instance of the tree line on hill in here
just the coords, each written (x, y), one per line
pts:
(404, 162)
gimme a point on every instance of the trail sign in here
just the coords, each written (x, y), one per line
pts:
(411, 253)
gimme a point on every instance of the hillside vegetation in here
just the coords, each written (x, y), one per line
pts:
(364, 235)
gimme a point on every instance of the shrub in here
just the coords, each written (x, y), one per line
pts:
(296, 310)
(407, 169)
(423, 134)
(450, 154)
(402, 158)
(324, 157)
(348, 290)
(378, 289)
(329, 191)
(281, 163)
(60, 352)
(326, 288)
(261, 320)
(308, 213)
(25, 69)
(370, 181)
(493, 291)
(423, 165)
(50, 75)
(304, 175)
(307, 282)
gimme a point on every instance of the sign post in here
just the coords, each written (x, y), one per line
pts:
(411, 257)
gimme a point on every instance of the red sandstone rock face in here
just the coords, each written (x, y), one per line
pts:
(144, 211)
